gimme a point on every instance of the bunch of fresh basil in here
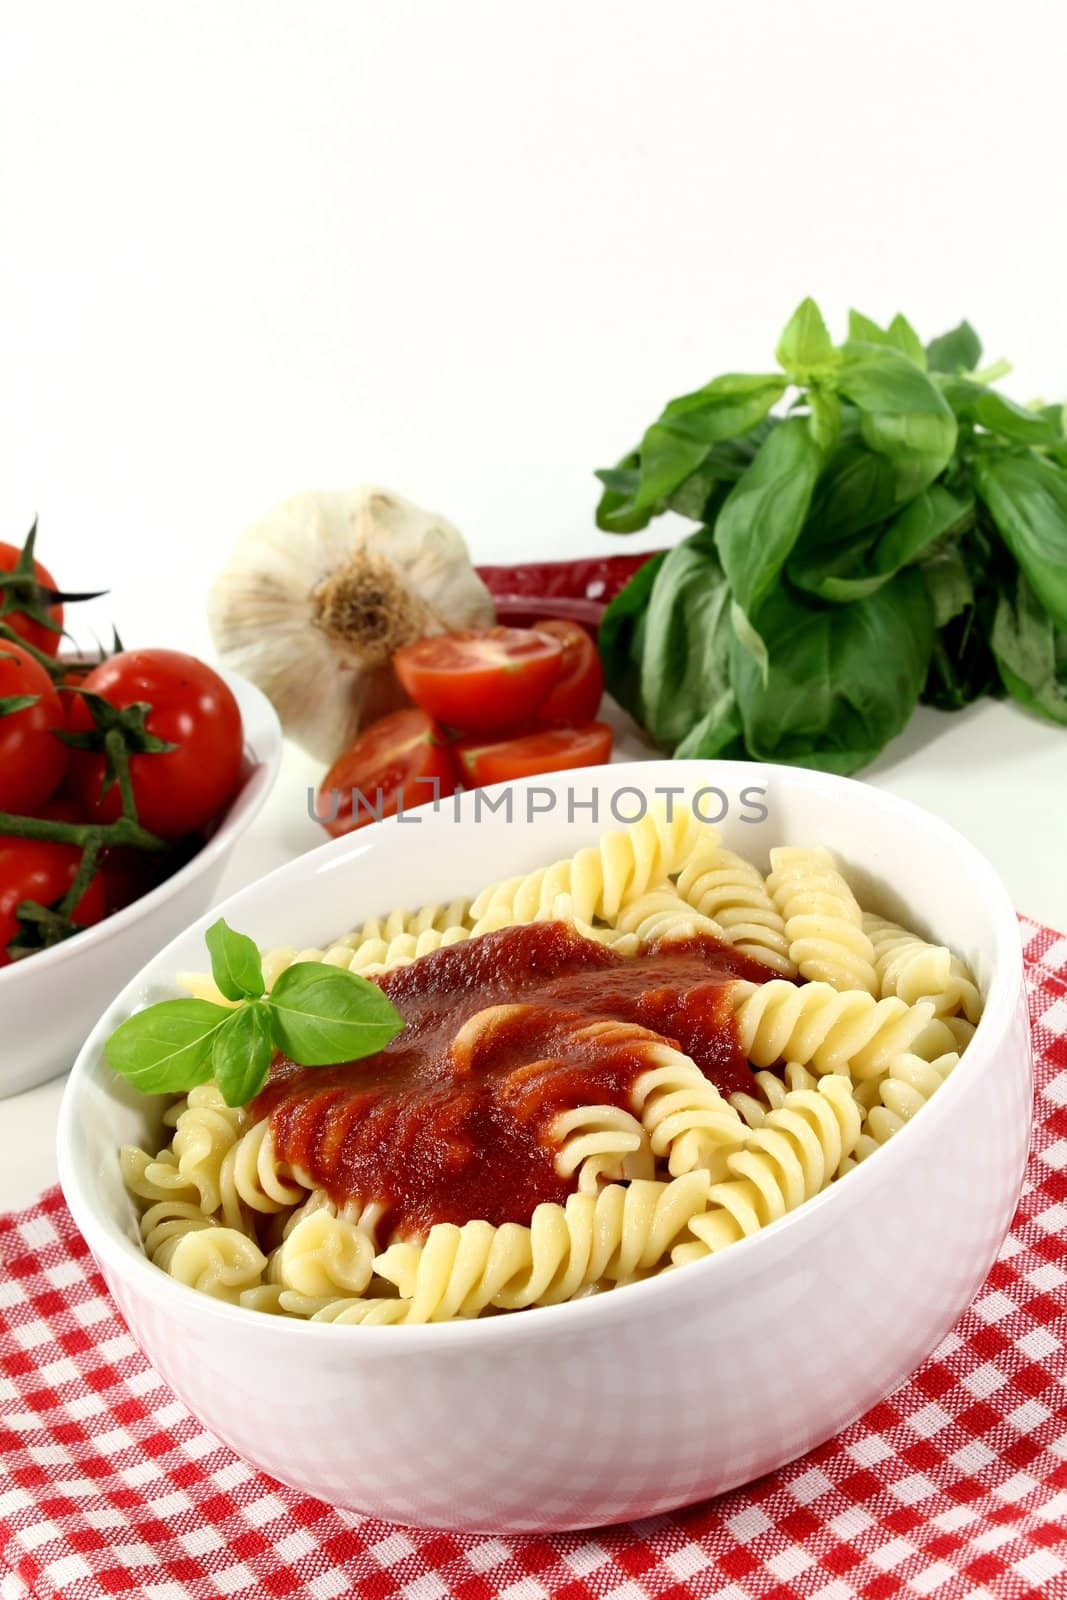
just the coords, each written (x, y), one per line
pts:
(878, 525)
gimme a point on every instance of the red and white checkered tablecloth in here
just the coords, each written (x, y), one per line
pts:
(956, 1485)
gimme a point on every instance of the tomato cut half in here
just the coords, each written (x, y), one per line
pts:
(481, 680)
(575, 696)
(547, 750)
(397, 763)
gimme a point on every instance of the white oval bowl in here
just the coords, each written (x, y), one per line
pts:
(49, 1001)
(664, 1392)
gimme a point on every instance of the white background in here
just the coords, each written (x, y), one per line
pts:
(467, 250)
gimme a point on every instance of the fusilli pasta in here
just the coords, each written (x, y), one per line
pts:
(823, 921)
(668, 1171)
(731, 892)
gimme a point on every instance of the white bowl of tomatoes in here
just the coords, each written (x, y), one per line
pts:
(491, 705)
(201, 756)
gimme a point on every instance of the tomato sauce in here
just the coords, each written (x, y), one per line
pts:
(451, 1121)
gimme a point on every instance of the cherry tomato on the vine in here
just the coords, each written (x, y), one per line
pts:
(41, 870)
(32, 759)
(34, 632)
(176, 791)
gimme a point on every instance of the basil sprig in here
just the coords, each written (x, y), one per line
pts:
(877, 525)
(316, 1014)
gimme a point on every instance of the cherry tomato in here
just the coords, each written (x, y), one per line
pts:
(32, 759)
(480, 680)
(176, 791)
(32, 631)
(547, 750)
(38, 869)
(395, 762)
(575, 696)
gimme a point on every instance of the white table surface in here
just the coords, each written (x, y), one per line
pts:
(998, 775)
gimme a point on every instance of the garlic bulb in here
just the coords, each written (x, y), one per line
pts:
(320, 592)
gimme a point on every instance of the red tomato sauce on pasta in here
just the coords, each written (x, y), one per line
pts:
(451, 1120)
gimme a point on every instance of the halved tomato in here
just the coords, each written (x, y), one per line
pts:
(480, 680)
(575, 695)
(396, 763)
(547, 750)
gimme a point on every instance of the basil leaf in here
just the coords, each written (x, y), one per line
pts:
(235, 963)
(903, 337)
(824, 416)
(678, 443)
(1027, 499)
(241, 1053)
(903, 414)
(947, 580)
(321, 1015)
(1031, 653)
(849, 572)
(805, 345)
(167, 1047)
(765, 511)
(866, 330)
(615, 513)
(621, 637)
(718, 736)
(843, 680)
(857, 490)
(976, 403)
(900, 335)
(685, 656)
(962, 666)
(959, 350)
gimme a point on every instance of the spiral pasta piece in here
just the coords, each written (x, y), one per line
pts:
(252, 1174)
(369, 1313)
(600, 879)
(323, 1256)
(218, 1261)
(205, 1130)
(821, 1028)
(167, 1221)
(730, 891)
(618, 1234)
(600, 1143)
(660, 914)
(771, 1090)
(916, 970)
(904, 1090)
(823, 921)
(688, 1122)
(794, 1154)
(438, 918)
(155, 1178)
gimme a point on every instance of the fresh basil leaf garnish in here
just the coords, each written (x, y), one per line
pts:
(167, 1047)
(321, 1014)
(235, 963)
(241, 1053)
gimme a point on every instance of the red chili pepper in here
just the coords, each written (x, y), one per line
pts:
(576, 590)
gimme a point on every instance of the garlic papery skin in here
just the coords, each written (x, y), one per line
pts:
(320, 592)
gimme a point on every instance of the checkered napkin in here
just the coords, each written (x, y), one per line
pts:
(956, 1485)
